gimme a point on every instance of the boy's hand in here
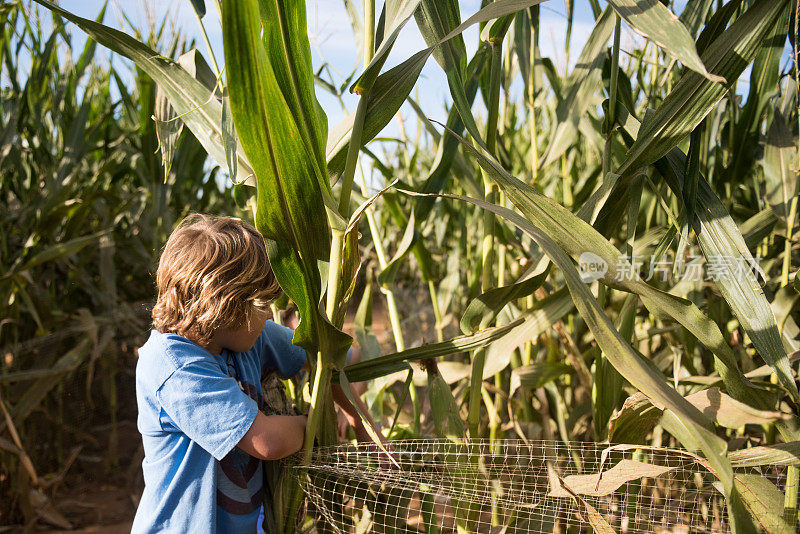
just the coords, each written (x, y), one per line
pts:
(351, 414)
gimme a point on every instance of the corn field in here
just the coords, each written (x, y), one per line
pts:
(569, 256)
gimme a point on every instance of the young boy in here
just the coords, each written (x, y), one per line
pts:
(198, 382)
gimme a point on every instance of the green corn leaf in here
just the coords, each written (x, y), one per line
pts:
(373, 433)
(653, 20)
(436, 19)
(765, 502)
(578, 87)
(695, 96)
(694, 15)
(764, 77)
(286, 41)
(779, 454)
(757, 227)
(289, 167)
(780, 154)
(641, 376)
(397, 14)
(535, 321)
(536, 375)
(719, 237)
(199, 7)
(484, 309)
(576, 237)
(444, 408)
(388, 93)
(410, 236)
(55, 252)
(392, 363)
(389, 90)
(194, 103)
(716, 24)
(619, 352)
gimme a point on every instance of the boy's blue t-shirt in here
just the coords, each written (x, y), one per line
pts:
(192, 413)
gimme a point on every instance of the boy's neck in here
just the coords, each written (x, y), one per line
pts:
(214, 347)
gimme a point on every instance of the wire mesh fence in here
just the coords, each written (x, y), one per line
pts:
(509, 486)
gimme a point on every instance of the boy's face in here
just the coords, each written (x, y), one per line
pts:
(242, 339)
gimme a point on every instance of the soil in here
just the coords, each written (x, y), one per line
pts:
(96, 497)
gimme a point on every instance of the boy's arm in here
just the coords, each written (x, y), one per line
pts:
(351, 414)
(349, 411)
(272, 437)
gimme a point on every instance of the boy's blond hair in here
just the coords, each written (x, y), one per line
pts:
(212, 273)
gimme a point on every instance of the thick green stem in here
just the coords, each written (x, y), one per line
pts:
(490, 189)
(369, 30)
(475, 389)
(787, 249)
(790, 499)
(601, 365)
(320, 392)
(334, 273)
(437, 313)
(314, 412)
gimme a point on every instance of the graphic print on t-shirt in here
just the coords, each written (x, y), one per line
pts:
(239, 475)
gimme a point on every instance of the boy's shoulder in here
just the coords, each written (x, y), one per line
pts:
(275, 350)
(164, 353)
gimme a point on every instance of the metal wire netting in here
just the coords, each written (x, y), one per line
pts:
(438, 486)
